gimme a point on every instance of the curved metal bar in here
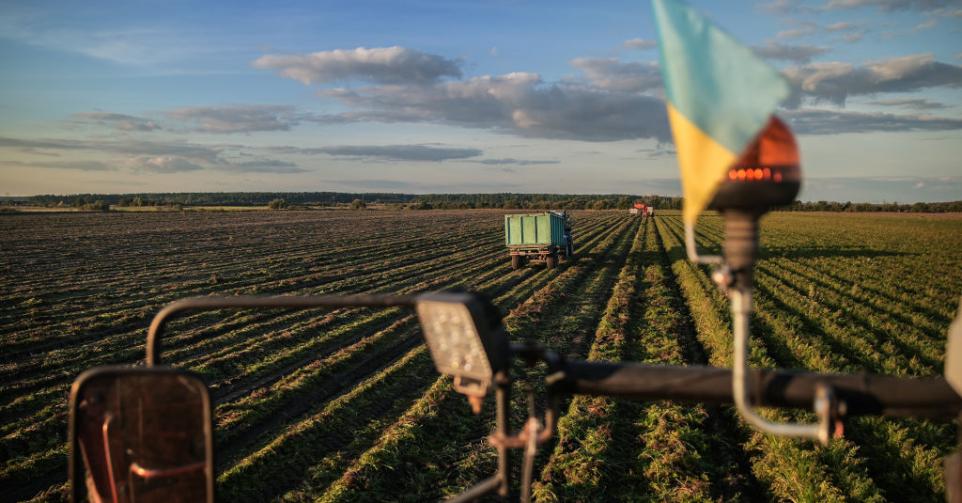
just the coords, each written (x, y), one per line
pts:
(857, 394)
(692, 249)
(159, 473)
(110, 461)
(741, 299)
(177, 308)
(485, 487)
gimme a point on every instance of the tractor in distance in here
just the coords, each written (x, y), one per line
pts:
(641, 209)
(538, 237)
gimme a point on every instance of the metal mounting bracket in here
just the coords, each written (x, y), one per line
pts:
(692, 248)
(825, 405)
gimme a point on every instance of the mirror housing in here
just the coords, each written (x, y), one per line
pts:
(140, 434)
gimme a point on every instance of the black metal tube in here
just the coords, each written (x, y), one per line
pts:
(503, 429)
(474, 492)
(860, 394)
(741, 245)
(177, 308)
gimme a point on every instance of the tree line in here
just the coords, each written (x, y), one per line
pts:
(284, 200)
(848, 206)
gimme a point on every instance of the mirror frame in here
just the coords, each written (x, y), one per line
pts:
(75, 465)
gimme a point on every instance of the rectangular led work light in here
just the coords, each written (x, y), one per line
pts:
(465, 337)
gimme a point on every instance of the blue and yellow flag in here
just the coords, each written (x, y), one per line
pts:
(719, 94)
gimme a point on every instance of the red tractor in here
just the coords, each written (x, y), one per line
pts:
(639, 208)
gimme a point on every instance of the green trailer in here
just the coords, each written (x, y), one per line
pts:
(538, 237)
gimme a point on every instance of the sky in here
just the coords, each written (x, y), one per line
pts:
(436, 96)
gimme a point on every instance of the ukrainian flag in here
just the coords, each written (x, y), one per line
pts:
(719, 94)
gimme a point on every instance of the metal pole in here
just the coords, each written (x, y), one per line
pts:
(503, 430)
(741, 300)
(177, 308)
(478, 490)
(858, 394)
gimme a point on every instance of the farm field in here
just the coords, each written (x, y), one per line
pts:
(345, 405)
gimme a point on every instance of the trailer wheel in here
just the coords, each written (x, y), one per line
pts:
(516, 262)
(551, 261)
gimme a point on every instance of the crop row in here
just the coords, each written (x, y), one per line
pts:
(258, 366)
(345, 405)
(437, 447)
(659, 451)
(274, 456)
(132, 267)
(791, 330)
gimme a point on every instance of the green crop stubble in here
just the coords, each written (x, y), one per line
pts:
(333, 462)
(239, 335)
(31, 464)
(680, 458)
(904, 456)
(103, 352)
(581, 458)
(829, 302)
(841, 292)
(791, 469)
(26, 465)
(426, 448)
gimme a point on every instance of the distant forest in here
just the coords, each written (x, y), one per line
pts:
(427, 201)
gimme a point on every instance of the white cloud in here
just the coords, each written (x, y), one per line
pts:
(71, 165)
(121, 122)
(911, 103)
(822, 122)
(803, 30)
(383, 65)
(836, 81)
(779, 6)
(199, 153)
(409, 88)
(155, 157)
(850, 32)
(615, 100)
(238, 118)
(163, 164)
(794, 53)
(640, 44)
(512, 161)
(264, 166)
(840, 26)
(161, 49)
(853, 37)
(889, 5)
(424, 153)
(515, 103)
(613, 75)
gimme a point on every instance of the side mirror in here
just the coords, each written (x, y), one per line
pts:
(140, 434)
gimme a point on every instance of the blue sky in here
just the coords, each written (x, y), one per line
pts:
(446, 96)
